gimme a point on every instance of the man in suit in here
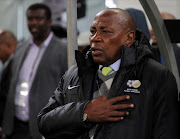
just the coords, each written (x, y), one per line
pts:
(37, 65)
(8, 44)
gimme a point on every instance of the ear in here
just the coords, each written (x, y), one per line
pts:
(130, 38)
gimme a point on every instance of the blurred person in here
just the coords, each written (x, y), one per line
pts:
(8, 44)
(37, 65)
(155, 48)
(116, 90)
(164, 16)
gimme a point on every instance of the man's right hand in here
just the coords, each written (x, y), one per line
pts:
(102, 109)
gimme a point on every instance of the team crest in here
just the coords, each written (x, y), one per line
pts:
(133, 84)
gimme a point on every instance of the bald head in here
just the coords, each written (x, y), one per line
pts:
(124, 18)
(6, 37)
(166, 15)
(8, 43)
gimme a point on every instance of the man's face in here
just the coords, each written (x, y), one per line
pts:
(38, 24)
(107, 37)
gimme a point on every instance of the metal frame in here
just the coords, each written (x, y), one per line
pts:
(164, 43)
(71, 29)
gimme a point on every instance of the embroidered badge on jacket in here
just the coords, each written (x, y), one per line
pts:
(133, 84)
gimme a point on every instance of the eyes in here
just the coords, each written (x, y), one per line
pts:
(102, 31)
(38, 18)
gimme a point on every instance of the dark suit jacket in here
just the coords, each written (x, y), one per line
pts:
(4, 85)
(51, 67)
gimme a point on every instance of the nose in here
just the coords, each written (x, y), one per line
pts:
(96, 37)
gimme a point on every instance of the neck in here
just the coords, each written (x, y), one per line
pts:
(39, 41)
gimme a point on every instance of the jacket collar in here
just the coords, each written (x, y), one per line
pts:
(130, 55)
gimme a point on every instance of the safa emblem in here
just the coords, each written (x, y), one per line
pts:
(134, 83)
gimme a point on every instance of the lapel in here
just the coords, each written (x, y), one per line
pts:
(6, 67)
(5, 77)
(17, 60)
(46, 56)
(21, 55)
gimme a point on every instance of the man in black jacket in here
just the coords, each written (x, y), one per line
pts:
(136, 100)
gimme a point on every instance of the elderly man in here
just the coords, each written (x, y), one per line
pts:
(116, 90)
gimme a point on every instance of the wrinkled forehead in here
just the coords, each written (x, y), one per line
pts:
(106, 18)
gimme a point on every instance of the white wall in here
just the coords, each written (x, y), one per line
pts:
(171, 6)
(9, 16)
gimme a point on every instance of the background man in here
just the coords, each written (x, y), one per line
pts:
(37, 65)
(136, 99)
(8, 44)
(155, 47)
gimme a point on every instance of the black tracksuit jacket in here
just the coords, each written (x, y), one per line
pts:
(156, 111)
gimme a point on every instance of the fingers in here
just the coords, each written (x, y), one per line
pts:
(119, 113)
(101, 109)
(118, 98)
(115, 119)
(121, 106)
(117, 116)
